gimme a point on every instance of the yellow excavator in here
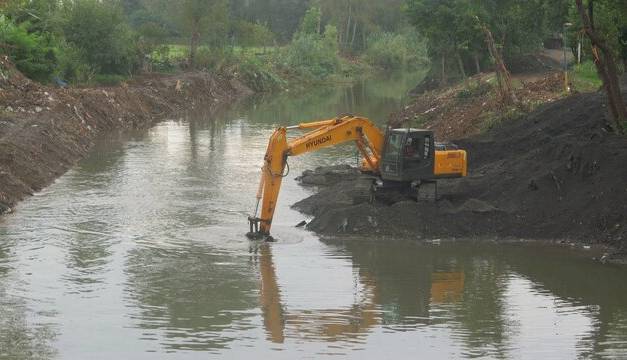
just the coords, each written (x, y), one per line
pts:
(406, 160)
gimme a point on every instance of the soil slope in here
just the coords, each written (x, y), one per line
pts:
(45, 130)
(556, 173)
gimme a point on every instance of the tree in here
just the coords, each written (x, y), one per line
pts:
(32, 53)
(504, 81)
(453, 31)
(446, 24)
(203, 17)
(101, 32)
(606, 66)
(282, 17)
(311, 21)
(252, 34)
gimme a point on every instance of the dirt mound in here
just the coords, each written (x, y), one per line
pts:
(556, 173)
(541, 62)
(469, 108)
(45, 130)
(329, 175)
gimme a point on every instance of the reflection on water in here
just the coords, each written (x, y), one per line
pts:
(139, 252)
(199, 297)
(20, 338)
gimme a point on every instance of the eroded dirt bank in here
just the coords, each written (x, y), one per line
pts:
(556, 173)
(45, 130)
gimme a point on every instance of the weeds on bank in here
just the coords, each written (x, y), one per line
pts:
(585, 77)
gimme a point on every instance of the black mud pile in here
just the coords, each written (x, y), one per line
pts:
(556, 173)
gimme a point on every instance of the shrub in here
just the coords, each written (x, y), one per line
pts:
(101, 32)
(473, 89)
(387, 50)
(72, 66)
(108, 79)
(213, 58)
(315, 55)
(252, 34)
(258, 75)
(586, 77)
(32, 54)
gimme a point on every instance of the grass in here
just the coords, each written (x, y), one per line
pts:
(584, 77)
(109, 80)
(176, 52)
(261, 68)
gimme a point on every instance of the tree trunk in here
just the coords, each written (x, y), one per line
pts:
(443, 79)
(606, 66)
(477, 63)
(460, 64)
(193, 44)
(354, 33)
(591, 12)
(320, 23)
(348, 24)
(503, 77)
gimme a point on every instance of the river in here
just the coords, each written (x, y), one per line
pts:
(139, 252)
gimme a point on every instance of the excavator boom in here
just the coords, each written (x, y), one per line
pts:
(326, 133)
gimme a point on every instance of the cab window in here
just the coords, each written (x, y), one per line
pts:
(394, 146)
(413, 149)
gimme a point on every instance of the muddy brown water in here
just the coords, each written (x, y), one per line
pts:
(139, 253)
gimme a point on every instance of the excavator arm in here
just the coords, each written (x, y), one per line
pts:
(326, 133)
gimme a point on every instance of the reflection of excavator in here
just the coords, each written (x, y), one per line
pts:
(330, 324)
(407, 160)
(337, 324)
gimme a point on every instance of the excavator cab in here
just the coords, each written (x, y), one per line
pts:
(412, 162)
(408, 155)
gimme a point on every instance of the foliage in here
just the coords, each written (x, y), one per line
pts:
(311, 22)
(387, 50)
(108, 79)
(258, 75)
(607, 20)
(452, 28)
(315, 55)
(72, 66)
(585, 77)
(282, 17)
(101, 32)
(33, 54)
(213, 58)
(252, 34)
(474, 89)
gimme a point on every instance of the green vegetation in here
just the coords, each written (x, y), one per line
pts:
(585, 77)
(387, 50)
(32, 53)
(455, 30)
(610, 19)
(265, 42)
(271, 42)
(474, 89)
(100, 32)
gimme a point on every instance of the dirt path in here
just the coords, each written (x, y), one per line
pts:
(45, 130)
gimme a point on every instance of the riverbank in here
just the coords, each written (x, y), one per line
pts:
(555, 174)
(44, 130)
